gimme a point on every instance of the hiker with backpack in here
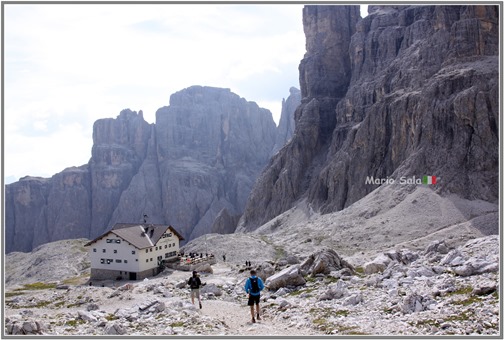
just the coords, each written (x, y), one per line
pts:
(195, 282)
(253, 287)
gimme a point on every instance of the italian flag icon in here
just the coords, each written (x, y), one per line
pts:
(429, 180)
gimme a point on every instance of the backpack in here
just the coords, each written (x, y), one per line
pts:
(194, 283)
(255, 285)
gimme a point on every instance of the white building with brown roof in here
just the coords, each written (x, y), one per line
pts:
(132, 251)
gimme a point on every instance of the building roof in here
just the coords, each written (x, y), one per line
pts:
(140, 235)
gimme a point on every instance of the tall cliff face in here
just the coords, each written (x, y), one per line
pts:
(212, 145)
(197, 164)
(324, 78)
(421, 99)
(287, 124)
(119, 149)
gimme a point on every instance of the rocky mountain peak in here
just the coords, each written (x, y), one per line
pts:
(406, 91)
(197, 164)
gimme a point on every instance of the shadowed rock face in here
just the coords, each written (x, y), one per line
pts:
(201, 158)
(287, 124)
(211, 147)
(406, 91)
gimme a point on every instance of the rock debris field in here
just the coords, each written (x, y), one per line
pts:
(435, 291)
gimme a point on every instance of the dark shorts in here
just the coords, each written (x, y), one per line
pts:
(254, 299)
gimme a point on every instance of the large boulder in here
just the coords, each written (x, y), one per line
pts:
(379, 264)
(323, 262)
(265, 270)
(290, 276)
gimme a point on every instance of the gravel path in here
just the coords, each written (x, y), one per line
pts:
(237, 318)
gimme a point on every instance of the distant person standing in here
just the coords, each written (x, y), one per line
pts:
(195, 283)
(253, 287)
(224, 257)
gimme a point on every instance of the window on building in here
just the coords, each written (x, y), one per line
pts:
(109, 240)
(133, 252)
(102, 260)
(170, 245)
(125, 261)
(146, 250)
(156, 248)
(118, 241)
(118, 261)
(174, 244)
(109, 261)
(115, 251)
(104, 250)
(150, 249)
(170, 254)
(146, 260)
(136, 260)
(94, 250)
(151, 259)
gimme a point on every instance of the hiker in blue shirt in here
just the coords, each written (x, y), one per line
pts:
(253, 287)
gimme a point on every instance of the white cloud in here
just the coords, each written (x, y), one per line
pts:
(68, 65)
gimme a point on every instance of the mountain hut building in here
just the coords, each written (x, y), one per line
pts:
(133, 251)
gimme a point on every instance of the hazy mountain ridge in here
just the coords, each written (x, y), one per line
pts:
(198, 162)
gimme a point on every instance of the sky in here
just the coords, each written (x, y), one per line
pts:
(68, 65)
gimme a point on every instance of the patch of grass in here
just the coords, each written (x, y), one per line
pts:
(59, 304)
(111, 317)
(323, 325)
(74, 322)
(468, 301)
(39, 304)
(388, 310)
(177, 324)
(329, 327)
(342, 312)
(426, 322)
(37, 286)
(302, 291)
(357, 333)
(463, 316)
(266, 240)
(461, 290)
(331, 279)
(279, 251)
(11, 294)
(321, 317)
(359, 270)
(76, 280)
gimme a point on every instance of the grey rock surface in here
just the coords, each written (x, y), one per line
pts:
(193, 169)
(405, 92)
(287, 123)
(290, 276)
